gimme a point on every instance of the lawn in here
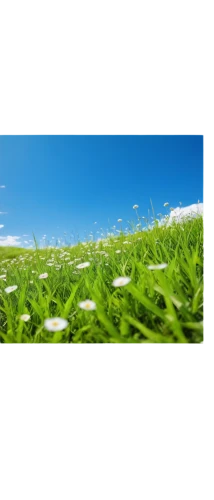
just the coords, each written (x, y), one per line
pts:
(149, 305)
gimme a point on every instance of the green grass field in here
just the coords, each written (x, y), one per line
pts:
(156, 306)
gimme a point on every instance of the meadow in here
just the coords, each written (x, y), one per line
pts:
(141, 287)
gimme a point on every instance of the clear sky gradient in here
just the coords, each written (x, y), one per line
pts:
(66, 183)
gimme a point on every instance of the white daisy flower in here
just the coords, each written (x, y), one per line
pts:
(10, 289)
(55, 324)
(157, 266)
(31, 281)
(25, 317)
(117, 251)
(166, 204)
(87, 305)
(2, 276)
(135, 207)
(43, 276)
(119, 220)
(84, 264)
(121, 281)
(49, 264)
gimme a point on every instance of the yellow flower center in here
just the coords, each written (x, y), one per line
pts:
(87, 306)
(55, 323)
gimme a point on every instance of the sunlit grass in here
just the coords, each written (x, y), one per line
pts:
(157, 303)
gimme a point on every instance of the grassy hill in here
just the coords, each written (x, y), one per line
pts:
(157, 305)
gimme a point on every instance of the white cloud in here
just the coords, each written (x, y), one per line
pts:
(1, 225)
(2, 187)
(180, 213)
(1, 213)
(191, 211)
(9, 241)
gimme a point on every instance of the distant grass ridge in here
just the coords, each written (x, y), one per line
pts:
(157, 306)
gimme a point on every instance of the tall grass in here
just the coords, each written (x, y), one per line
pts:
(157, 306)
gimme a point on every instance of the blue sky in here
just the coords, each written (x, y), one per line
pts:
(57, 184)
